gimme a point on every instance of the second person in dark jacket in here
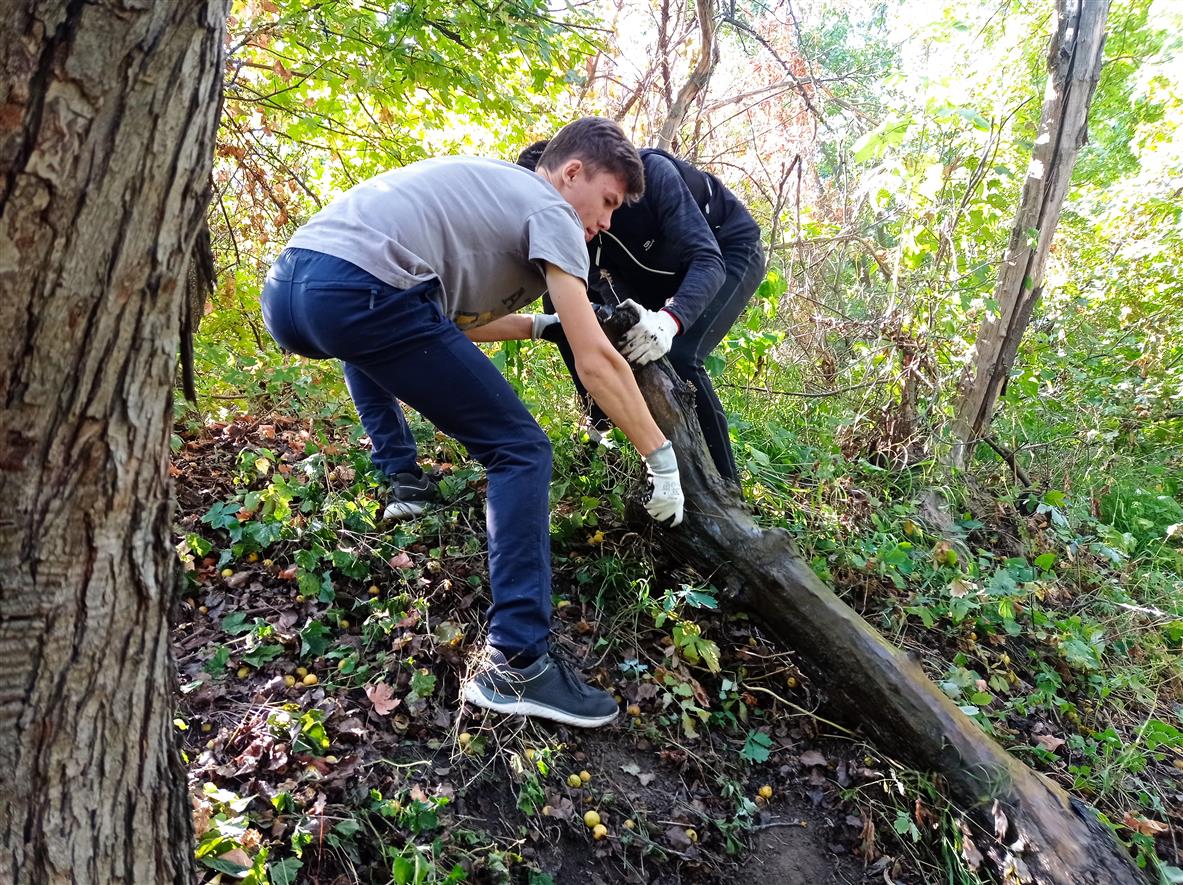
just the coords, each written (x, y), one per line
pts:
(688, 255)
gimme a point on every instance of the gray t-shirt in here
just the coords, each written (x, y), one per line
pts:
(482, 227)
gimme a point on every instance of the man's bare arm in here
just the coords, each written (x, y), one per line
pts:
(514, 327)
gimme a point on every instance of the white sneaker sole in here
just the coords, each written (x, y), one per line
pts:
(401, 510)
(474, 696)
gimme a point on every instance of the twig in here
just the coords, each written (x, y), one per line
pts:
(804, 393)
(1009, 457)
(798, 708)
(782, 823)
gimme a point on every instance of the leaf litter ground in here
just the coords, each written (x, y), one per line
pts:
(320, 661)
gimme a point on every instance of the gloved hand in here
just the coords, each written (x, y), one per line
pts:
(664, 498)
(545, 326)
(651, 338)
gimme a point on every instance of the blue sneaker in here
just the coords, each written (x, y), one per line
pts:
(549, 688)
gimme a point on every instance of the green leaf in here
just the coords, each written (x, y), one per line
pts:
(314, 639)
(347, 827)
(216, 665)
(423, 682)
(235, 623)
(284, 872)
(924, 613)
(228, 867)
(887, 134)
(903, 825)
(263, 654)
(756, 747)
(1045, 561)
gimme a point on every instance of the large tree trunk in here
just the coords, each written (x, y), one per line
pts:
(108, 113)
(1074, 66)
(1042, 833)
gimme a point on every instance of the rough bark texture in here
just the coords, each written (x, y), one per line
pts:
(1046, 837)
(1074, 66)
(105, 150)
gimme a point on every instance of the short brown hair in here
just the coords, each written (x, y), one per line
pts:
(602, 146)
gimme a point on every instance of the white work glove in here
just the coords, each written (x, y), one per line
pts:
(540, 322)
(664, 498)
(651, 338)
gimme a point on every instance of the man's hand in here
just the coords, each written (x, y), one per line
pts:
(545, 326)
(664, 498)
(651, 338)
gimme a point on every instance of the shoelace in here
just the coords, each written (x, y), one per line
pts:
(570, 673)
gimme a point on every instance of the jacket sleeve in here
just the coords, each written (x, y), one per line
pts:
(685, 228)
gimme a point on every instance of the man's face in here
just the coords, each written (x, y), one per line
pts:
(594, 196)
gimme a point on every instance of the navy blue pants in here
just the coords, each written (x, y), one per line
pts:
(745, 271)
(397, 345)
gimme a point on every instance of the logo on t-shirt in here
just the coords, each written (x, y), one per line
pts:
(513, 300)
(648, 245)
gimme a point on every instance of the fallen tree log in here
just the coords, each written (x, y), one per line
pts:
(1034, 831)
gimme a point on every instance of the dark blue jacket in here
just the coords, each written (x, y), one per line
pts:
(663, 249)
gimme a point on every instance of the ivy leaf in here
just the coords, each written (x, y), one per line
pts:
(263, 654)
(313, 639)
(756, 747)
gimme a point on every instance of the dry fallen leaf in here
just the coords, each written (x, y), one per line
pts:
(1143, 825)
(959, 588)
(1001, 824)
(382, 697)
(944, 554)
(812, 757)
(969, 850)
(677, 837)
(1049, 742)
(401, 560)
(238, 856)
(867, 849)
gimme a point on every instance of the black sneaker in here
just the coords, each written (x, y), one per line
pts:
(410, 495)
(548, 688)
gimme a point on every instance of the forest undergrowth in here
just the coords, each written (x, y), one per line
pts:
(321, 652)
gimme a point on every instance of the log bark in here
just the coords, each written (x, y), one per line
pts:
(1045, 836)
(1074, 67)
(106, 147)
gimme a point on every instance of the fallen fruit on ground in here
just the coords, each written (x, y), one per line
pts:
(573, 780)
(591, 818)
(585, 776)
(765, 792)
(310, 679)
(599, 831)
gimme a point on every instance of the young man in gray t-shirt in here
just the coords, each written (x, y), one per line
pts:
(397, 278)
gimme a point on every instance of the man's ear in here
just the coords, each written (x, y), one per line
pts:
(571, 169)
